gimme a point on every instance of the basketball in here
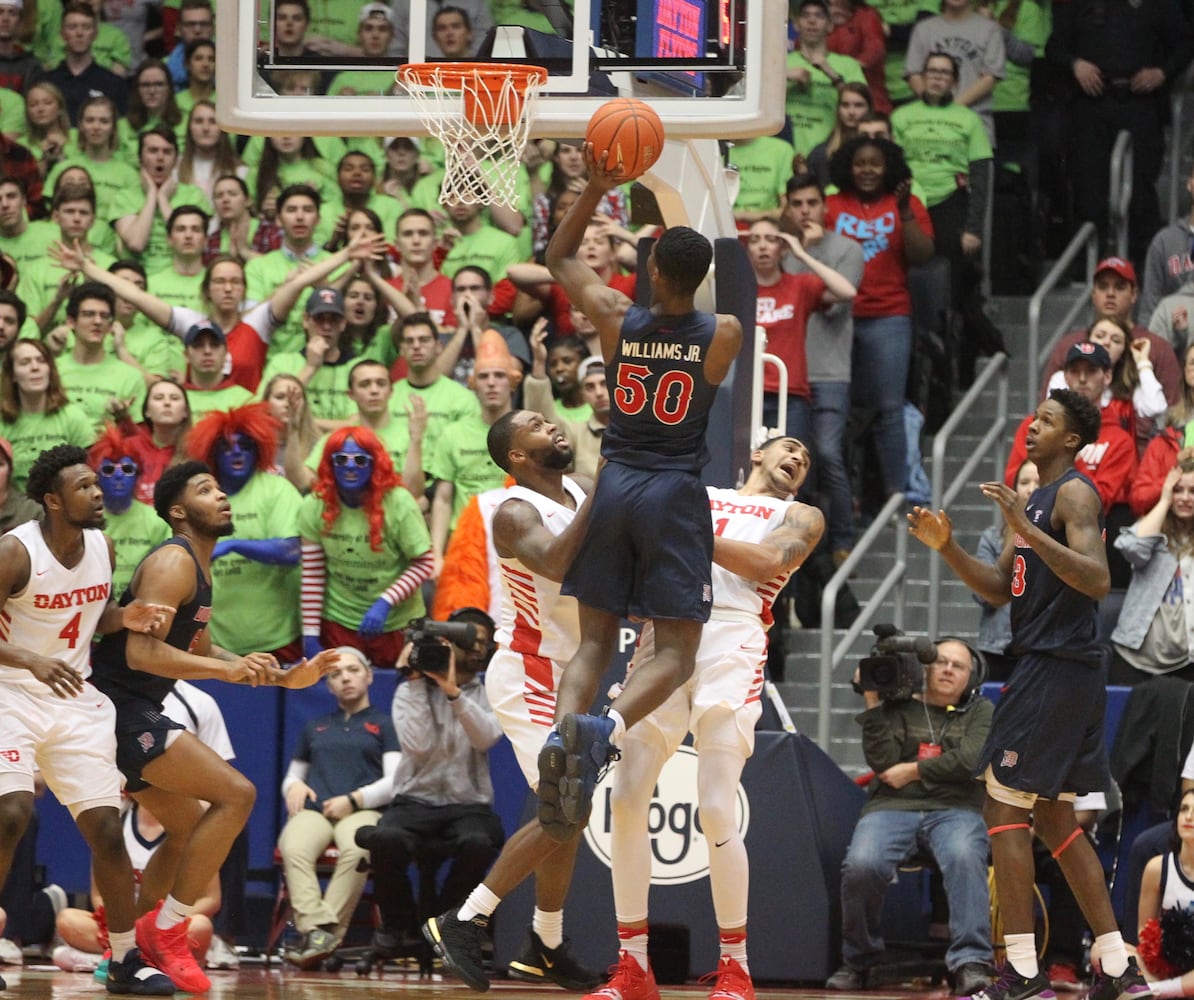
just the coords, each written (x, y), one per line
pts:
(631, 131)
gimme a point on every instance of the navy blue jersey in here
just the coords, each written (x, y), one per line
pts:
(1049, 616)
(344, 753)
(110, 670)
(659, 394)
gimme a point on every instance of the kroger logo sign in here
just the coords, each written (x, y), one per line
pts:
(679, 852)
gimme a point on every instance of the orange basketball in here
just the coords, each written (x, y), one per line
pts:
(632, 133)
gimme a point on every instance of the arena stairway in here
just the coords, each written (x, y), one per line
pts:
(970, 514)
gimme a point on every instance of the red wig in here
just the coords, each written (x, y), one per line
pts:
(383, 480)
(254, 421)
(113, 446)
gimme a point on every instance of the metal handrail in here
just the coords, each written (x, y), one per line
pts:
(1087, 236)
(1178, 107)
(988, 226)
(1120, 190)
(995, 371)
(761, 359)
(831, 655)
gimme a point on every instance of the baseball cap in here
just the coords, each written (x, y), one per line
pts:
(198, 329)
(823, 4)
(587, 365)
(1087, 350)
(325, 300)
(1117, 265)
(369, 10)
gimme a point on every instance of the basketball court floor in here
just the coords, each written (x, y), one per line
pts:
(260, 982)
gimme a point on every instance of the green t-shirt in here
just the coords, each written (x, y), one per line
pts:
(362, 83)
(186, 104)
(939, 143)
(203, 401)
(12, 112)
(394, 436)
(764, 168)
(327, 392)
(255, 606)
(39, 282)
(93, 386)
(177, 290)
(111, 48)
(813, 109)
(133, 534)
(356, 574)
(388, 209)
(489, 248)
(155, 349)
(336, 19)
(263, 275)
(446, 402)
(1033, 24)
(31, 245)
(157, 254)
(461, 457)
(32, 433)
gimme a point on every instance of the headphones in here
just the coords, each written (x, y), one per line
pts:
(476, 616)
(979, 671)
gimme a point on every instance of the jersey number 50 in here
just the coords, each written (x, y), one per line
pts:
(670, 400)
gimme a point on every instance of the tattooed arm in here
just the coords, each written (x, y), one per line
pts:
(783, 550)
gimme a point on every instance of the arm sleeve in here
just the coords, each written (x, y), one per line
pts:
(980, 190)
(408, 581)
(1019, 52)
(271, 551)
(1157, 461)
(1149, 397)
(377, 794)
(1138, 550)
(314, 578)
(414, 721)
(882, 737)
(475, 716)
(297, 771)
(1115, 472)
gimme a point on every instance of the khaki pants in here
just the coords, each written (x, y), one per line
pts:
(303, 839)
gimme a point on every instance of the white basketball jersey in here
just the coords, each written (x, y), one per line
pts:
(57, 613)
(487, 503)
(536, 619)
(745, 519)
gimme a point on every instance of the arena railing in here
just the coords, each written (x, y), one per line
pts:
(760, 361)
(995, 371)
(1120, 191)
(890, 517)
(1086, 238)
(1176, 140)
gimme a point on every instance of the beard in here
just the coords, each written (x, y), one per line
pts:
(555, 459)
(99, 520)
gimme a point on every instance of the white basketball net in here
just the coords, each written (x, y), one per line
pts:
(481, 114)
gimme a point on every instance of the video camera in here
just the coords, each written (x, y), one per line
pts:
(428, 655)
(895, 668)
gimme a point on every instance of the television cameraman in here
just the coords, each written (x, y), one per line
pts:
(443, 796)
(922, 740)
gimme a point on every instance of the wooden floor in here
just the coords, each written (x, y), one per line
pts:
(259, 982)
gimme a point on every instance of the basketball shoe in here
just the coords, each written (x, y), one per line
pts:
(169, 951)
(731, 981)
(1010, 985)
(458, 944)
(537, 963)
(135, 977)
(571, 763)
(1129, 985)
(627, 981)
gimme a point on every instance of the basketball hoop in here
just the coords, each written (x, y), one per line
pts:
(481, 112)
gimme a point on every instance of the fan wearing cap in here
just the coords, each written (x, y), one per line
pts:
(460, 462)
(375, 33)
(1114, 295)
(814, 74)
(254, 573)
(1110, 462)
(208, 385)
(324, 365)
(341, 774)
(365, 550)
(134, 528)
(15, 507)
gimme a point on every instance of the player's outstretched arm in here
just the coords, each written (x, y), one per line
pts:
(784, 550)
(993, 583)
(727, 342)
(519, 533)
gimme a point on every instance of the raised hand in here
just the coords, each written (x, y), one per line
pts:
(538, 341)
(253, 669)
(416, 410)
(601, 176)
(935, 530)
(141, 616)
(1010, 503)
(307, 672)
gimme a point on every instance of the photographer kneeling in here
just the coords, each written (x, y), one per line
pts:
(922, 743)
(443, 796)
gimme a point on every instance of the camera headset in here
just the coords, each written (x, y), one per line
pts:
(979, 671)
(476, 616)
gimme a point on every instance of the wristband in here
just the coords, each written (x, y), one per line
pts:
(352, 797)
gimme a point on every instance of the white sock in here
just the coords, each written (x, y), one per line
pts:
(1112, 954)
(480, 903)
(634, 943)
(619, 729)
(172, 913)
(1168, 987)
(734, 946)
(1021, 953)
(122, 944)
(549, 925)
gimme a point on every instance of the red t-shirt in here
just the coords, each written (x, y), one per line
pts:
(558, 305)
(437, 298)
(783, 310)
(876, 226)
(247, 352)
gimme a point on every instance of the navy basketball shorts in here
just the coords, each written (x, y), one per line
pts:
(1047, 732)
(648, 552)
(143, 734)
